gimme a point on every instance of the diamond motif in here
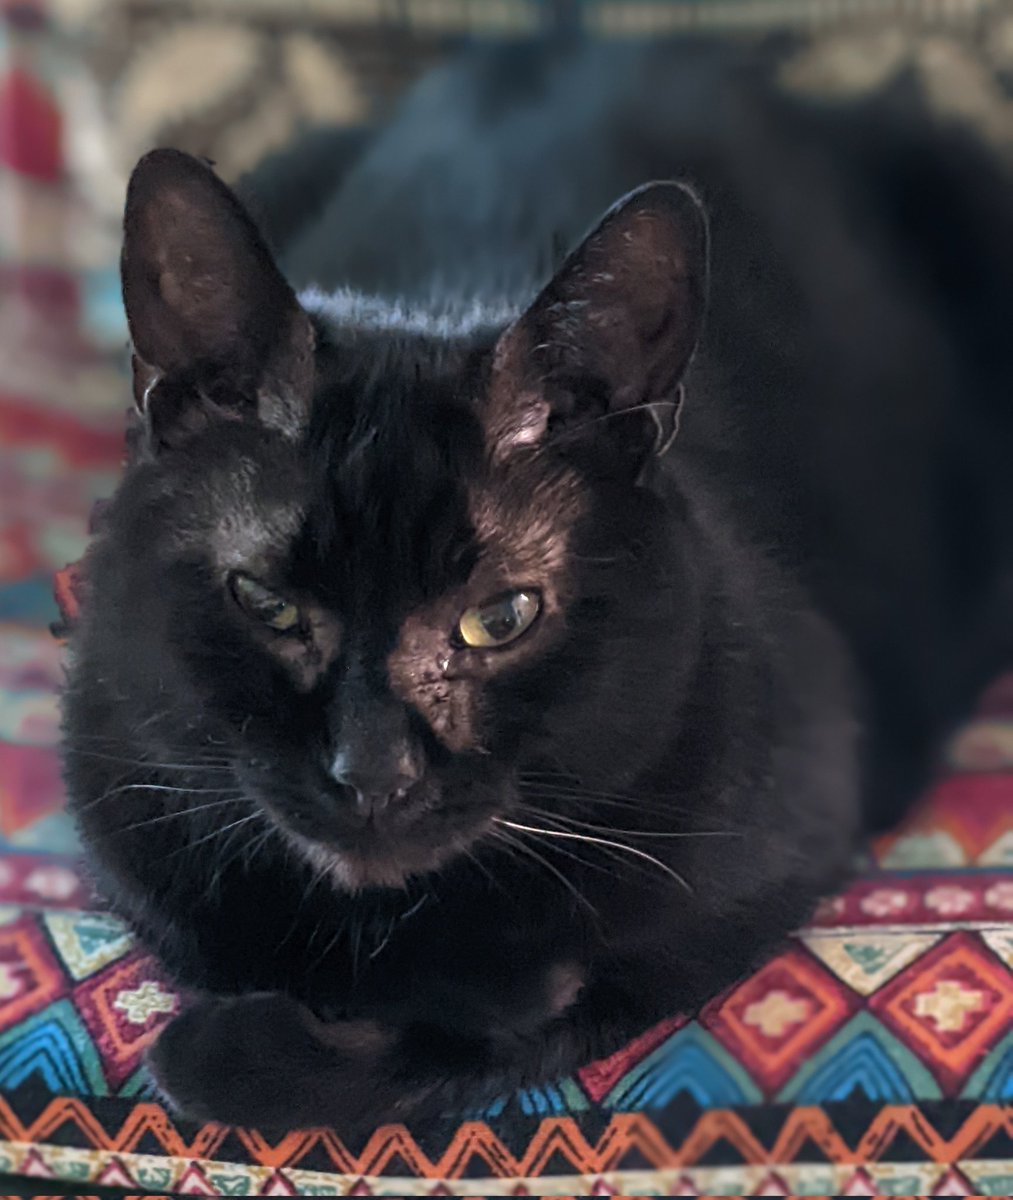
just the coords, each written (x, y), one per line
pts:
(861, 1058)
(122, 1038)
(865, 961)
(30, 977)
(777, 1018)
(52, 882)
(950, 1007)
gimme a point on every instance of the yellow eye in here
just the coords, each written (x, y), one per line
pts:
(500, 620)
(274, 611)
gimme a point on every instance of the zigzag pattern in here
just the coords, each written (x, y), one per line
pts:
(558, 1144)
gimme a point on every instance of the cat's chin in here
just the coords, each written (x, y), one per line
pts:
(381, 866)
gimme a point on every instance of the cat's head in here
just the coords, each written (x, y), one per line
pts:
(400, 569)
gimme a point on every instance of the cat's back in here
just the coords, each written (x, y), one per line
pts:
(861, 247)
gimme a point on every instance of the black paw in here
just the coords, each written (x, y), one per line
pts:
(264, 1061)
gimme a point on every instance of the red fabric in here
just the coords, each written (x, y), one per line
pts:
(31, 128)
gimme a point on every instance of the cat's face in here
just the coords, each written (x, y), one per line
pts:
(403, 574)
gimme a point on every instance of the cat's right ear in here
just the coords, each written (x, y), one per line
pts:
(216, 329)
(596, 362)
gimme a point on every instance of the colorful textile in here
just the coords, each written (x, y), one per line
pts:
(876, 1055)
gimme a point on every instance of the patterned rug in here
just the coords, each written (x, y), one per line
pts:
(873, 1057)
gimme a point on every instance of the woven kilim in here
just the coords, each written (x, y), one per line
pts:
(873, 1056)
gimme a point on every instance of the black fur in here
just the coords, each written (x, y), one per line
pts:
(748, 649)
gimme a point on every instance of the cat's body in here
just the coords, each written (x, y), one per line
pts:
(736, 646)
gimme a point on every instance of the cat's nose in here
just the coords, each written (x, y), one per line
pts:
(376, 783)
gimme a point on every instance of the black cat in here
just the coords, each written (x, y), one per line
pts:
(452, 699)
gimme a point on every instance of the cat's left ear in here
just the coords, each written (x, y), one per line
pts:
(216, 329)
(596, 361)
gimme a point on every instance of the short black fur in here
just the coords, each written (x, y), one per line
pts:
(404, 873)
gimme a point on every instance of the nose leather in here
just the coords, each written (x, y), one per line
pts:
(379, 779)
(373, 749)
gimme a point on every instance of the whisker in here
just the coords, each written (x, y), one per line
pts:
(158, 787)
(519, 845)
(182, 812)
(566, 852)
(210, 764)
(215, 833)
(565, 819)
(588, 839)
(475, 861)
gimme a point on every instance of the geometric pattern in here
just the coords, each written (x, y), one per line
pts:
(862, 1059)
(880, 1017)
(951, 1012)
(874, 1056)
(900, 1150)
(777, 1018)
(840, 1067)
(865, 961)
(86, 942)
(123, 1008)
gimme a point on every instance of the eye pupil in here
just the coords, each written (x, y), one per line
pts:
(499, 620)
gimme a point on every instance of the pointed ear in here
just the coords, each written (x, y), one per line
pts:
(596, 360)
(215, 327)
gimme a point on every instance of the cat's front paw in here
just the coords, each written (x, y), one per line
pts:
(266, 1062)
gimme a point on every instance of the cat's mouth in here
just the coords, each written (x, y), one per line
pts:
(429, 829)
(380, 866)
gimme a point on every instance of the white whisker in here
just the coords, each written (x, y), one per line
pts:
(180, 812)
(565, 819)
(517, 845)
(588, 839)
